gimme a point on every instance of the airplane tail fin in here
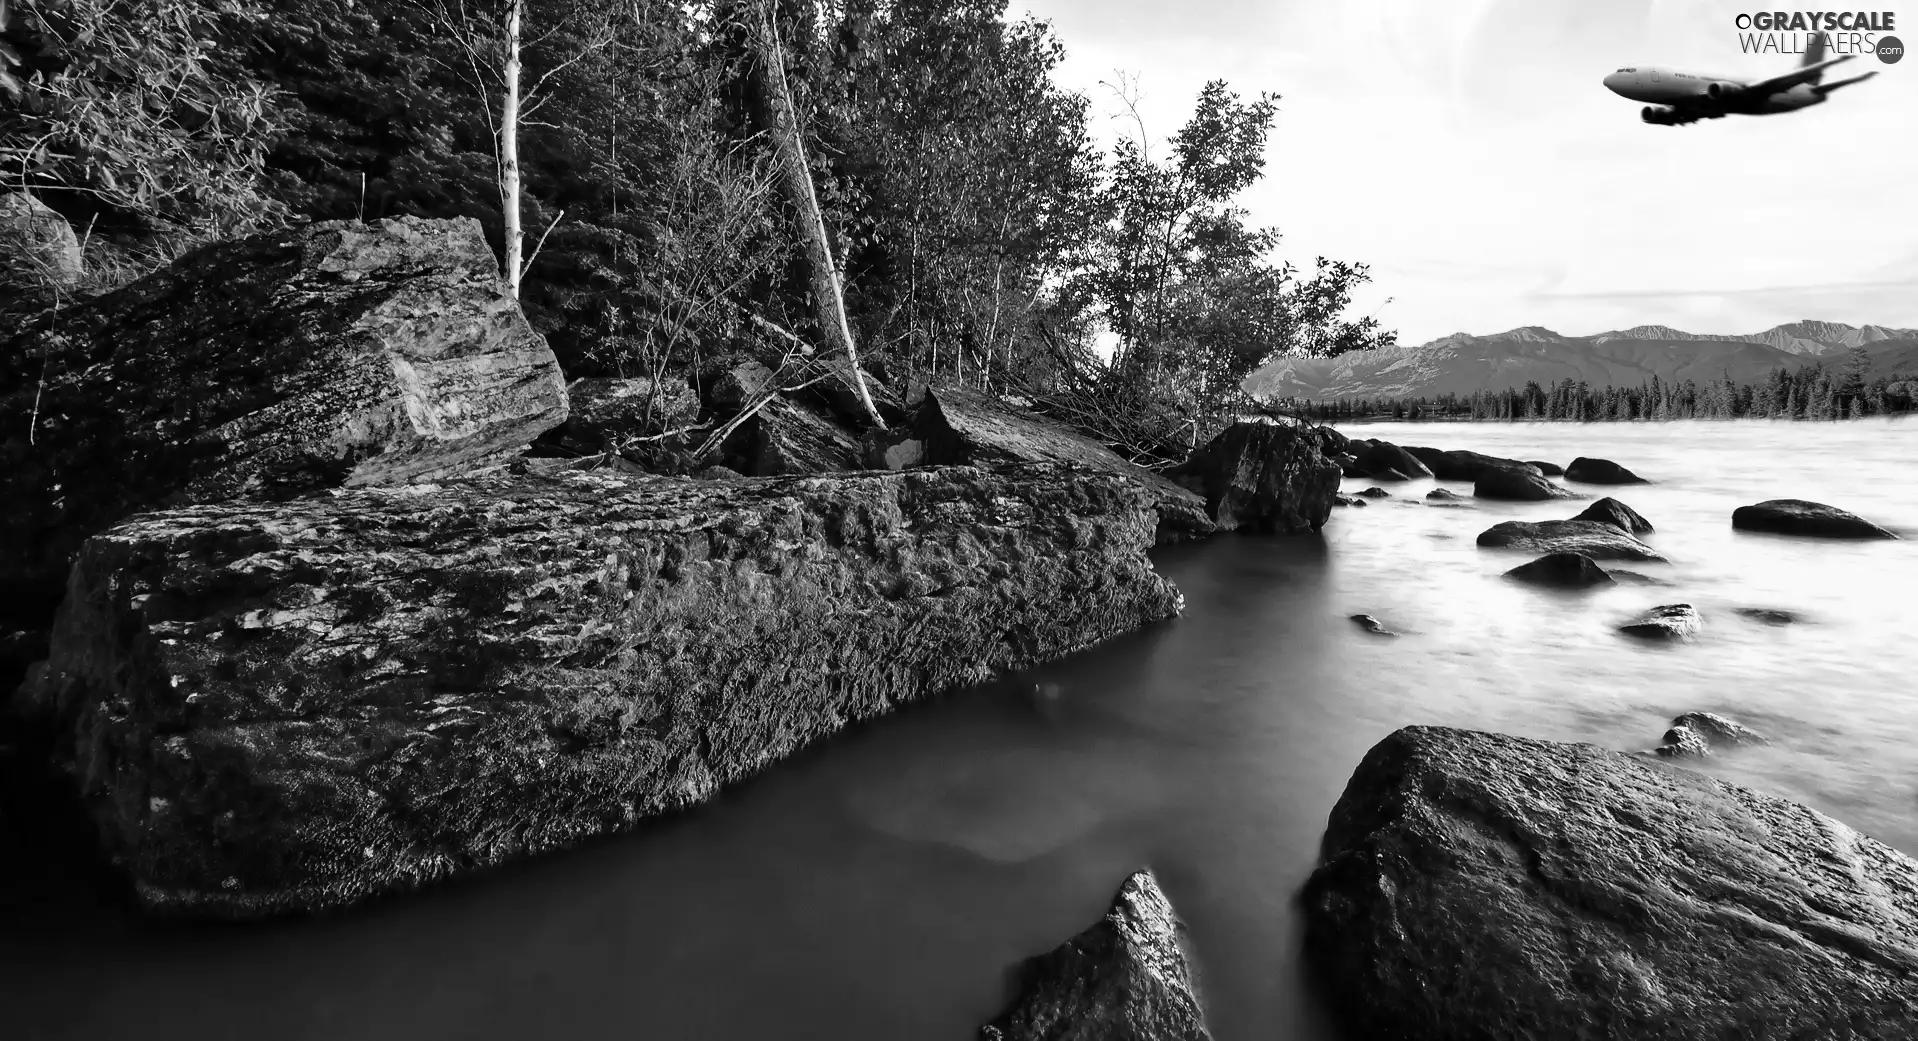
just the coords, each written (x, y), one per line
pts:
(1814, 53)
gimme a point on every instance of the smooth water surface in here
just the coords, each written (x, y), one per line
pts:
(882, 885)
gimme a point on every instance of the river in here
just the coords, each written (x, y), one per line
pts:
(882, 885)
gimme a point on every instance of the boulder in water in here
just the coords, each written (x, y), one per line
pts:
(1482, 886)
(1380, 458)
(1465, 466)
(1548, 469)
(1562, 570)
(1518, 485)
(1666, 622)
(1347, 500)
(1769, 615)
(291, 706)
(1375, 492)
(1610, 511)
(1799, 517)
(1600, 540)
(1266, 478)
(1372, 625)
(1443, 495)
(1600, 471)
(1702, 733)
(1124, 979)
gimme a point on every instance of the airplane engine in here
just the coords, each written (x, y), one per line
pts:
(1717, 90)
(1661, 116)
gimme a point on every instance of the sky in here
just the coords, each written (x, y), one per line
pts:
(1468, 152)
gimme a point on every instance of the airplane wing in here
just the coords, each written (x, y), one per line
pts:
(1803, 74)
(1835, 84)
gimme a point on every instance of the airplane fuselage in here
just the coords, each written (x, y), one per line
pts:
(1718, 95)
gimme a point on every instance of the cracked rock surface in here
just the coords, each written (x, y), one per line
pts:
(1481, 886)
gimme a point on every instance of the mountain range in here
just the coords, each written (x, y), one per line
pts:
(1462, 363)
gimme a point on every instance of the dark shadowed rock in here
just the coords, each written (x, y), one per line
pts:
(1347, 500)
(337, 354)
(1124, 979)
(1703, 733)
(1600, 471)
(1379, 458)
(791, 437)
(959, 426)
(1372, 625)
(1799, 517)
(1444, 495)
(1610, 511)
(1563, 570)
(1375, 492)
(1465, 466)
(608, 414)
(1769, 615)
(1548, 469)
(1666, 622)
(1348, 465)
(1492, 888)
(1518, 485)
(725, 385)
(290, 706)
(1330, 441)
(1599, 540)
(1265, 478)
(37, 245)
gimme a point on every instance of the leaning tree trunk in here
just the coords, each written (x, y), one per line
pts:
(782, 120)
(509, 191)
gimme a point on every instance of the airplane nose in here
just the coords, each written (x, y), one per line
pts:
(1612, 80)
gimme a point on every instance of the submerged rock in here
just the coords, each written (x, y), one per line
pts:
(1769, 615)
(292, 706)
(959, 426)
(1563, 570)
(1444, 495)
(1372, 625)
(1479, 886)
(1666, 622)
(1518, 485)
(1610, 511)
(1548, 469)
(1799, 517)
(1600, 540)
(1124, 979)
(1466, 466)
(337, 354)
(1347, 500)
(1600, 471)
(1375, 492)
(1265, 478)
(1702, 733)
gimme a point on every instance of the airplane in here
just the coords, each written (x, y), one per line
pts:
(1680, 97)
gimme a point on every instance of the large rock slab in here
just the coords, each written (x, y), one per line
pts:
(337, 354)
(1599, 540)
(278, 707)
(1461, 465)
(1493, 888)
(608, 414)
(792, 437)
(960, 426)
(1265, 478)
(1124, 979)
(1800, 517)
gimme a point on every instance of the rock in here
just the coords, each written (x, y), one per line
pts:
(1769, 615)
(719, 473)
(1599, 540)
(835, 395)
(1264, 478)
(1798, 517)
(1465, 466)
(892, 449)
(608, 414)
(1667, 622)
(1378, 458)
(1633, 578)
(336, 354)
(1347, 500)
(1444, 495)
(788, 437)
(1548, 469)
(1348, 465)
(1610, 511)
(1124, 979)
(1564, 570)
(1375, 492)
(37, 245)
(960, 426)
(1701, 733)
(1518, 485)
(290, 706)
(1479, 886)
(1372, 625)
(1330, 441)
(1600, 471)
(727, 384)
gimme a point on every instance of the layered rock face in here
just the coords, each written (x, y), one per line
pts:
(1265, 478)
(1124, 979)
(288, 706)
(960, 426)
(336, 354)
(1478, 886)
